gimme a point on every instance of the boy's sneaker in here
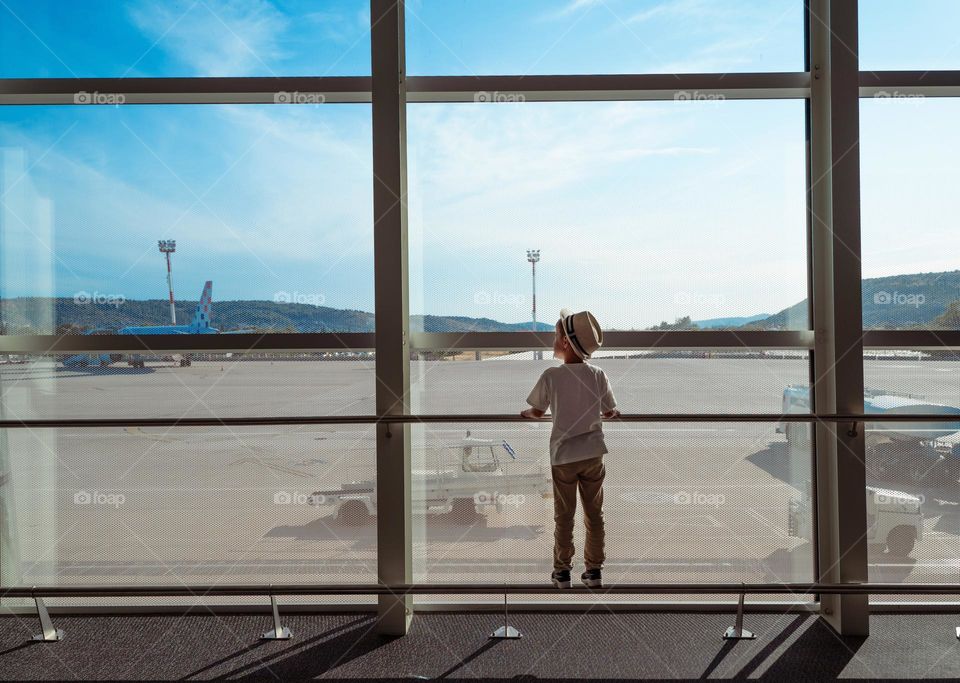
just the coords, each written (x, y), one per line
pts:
(592, 578)
(561, 578)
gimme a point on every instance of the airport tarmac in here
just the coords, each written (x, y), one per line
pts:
(684, 501)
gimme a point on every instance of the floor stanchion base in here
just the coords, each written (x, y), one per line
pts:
(506, 632)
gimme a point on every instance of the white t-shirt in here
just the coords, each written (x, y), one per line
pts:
(576, 394)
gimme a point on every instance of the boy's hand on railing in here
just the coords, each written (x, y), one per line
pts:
(532, 413)
(611, 414)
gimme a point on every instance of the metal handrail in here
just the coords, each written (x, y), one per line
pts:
(42, 423)
(478, 588)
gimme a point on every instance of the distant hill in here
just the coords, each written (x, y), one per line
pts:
(714, 323)
(890, 303)
(895, 302)
(43, 315)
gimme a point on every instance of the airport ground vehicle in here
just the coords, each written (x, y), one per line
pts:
(467, 478)
(915, 452)
(894, 520)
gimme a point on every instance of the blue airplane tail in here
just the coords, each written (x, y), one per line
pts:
(201, 318)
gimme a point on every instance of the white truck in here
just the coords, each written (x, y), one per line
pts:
(468, 479)
(894, 520)
(914, 452)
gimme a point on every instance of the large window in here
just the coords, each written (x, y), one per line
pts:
(910, 168)
(138, 38)
(705, 502)
(184, 506)
(377, 258)
(918, 35)
(911, 285)
(642, 212)
(470, 37)
(271, 203)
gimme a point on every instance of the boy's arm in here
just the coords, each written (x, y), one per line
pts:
(539, 399)
(608, 402)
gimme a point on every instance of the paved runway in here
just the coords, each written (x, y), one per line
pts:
(684, 502)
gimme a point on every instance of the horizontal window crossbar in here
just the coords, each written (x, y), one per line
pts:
(594, 87)
(740, 340)
(252, 90)
(478, 588)
(919, 340)
(54, 423)
(745, 341)
(484, 89)
(335, 89)
(186, 343)
(893, 84)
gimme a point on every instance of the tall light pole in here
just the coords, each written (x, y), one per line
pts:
(533, 255)
(167, 247)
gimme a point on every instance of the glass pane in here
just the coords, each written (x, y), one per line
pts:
(643, 381)
(666, 215)
(183, 506)
(207, 385)
(913, 469)
(101, 38)
(915, 35)
(682, 503)
(470, 37)
(271, 205)
(910, 241)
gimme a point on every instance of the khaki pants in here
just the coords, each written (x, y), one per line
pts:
(587, 476)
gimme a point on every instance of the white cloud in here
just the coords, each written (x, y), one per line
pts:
(216, 37)
(293, 205)
(624, 199)
(575, 6)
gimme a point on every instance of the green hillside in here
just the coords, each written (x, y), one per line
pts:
(896, 302)
(42, 315)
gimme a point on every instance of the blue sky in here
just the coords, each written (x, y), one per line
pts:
(644, 211)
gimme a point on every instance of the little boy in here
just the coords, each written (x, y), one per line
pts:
(578, 395)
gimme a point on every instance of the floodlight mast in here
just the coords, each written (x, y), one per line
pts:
(533, 256)
(168, 247)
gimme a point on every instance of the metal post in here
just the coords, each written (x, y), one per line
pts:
(278, 632)
(48, 633)
(737, 632)
(836, 294)
(394, 525)
(506, 631)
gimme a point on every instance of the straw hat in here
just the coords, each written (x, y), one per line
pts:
(582, 331)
